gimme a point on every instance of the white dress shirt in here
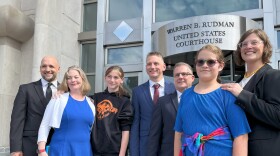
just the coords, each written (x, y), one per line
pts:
(160, 89)
(45, 86)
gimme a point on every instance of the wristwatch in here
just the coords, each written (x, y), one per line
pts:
(39, 151)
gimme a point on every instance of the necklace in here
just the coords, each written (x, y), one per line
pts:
(246, 75)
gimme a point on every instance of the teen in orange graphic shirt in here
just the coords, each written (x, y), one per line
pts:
(114, 116)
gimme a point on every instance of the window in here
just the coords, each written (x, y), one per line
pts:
(119, 10)
(90, 15)
(278, 39)
(125, 55)
(88, 63)
(170, 10)
(130, 81)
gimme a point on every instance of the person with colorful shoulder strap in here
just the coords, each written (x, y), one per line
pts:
(208, 123)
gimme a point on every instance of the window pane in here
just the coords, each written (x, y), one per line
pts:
(90, 17)
(124, 55)
(119, 10)
(176, 9)
(130, 83)
(278, 39)
(91, 79)
(88, 58)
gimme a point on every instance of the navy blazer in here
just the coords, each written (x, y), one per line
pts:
(143, 107)
(161, 138)
(260, 99)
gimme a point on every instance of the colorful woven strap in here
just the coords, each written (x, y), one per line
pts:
(195, 143)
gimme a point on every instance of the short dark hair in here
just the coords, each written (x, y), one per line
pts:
(267, 50)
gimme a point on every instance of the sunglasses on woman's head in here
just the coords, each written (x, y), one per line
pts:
(210, 62)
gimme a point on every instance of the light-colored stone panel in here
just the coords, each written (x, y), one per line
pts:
(2, 48)
(73, 10)
(67, 62)
(70, 44)
(14, 3)
(47, 41)
(11, 67)
(27, 56)
(28, 5)
(6, 103)
(49, 12)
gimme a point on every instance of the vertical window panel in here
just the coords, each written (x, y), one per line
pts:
(124, 55)
(278, 39)
(91, 79)
(88, 63)
(166, 10)
(90, 17)
(89, 57)
(124, 9)
(130, 83)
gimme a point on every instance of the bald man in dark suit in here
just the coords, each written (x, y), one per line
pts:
(29, 108)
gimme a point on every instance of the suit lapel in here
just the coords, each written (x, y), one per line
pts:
(256, 78)
(146, 91)
(39, 91)
(174, 100)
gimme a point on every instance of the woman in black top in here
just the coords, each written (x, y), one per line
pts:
(114, 116)
(258, 93)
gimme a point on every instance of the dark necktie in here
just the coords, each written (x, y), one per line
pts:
(49, 92)
(156, 92)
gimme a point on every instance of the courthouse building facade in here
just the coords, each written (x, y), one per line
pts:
(96, 34)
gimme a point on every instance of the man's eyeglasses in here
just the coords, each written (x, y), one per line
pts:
(183, 74)
(246, 43)
(210, 62)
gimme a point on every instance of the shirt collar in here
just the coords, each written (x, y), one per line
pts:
(45, 83)
(161, 83)
(178, 94)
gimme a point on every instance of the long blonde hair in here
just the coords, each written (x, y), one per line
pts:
(85, 85)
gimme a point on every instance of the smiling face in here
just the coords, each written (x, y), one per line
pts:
(252, 52)
(113, 80)
(49, 68)
(206, 71)
(183, 77)
(155, 67)
(74, 80)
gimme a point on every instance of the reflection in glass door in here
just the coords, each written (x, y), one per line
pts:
(131, 80)
(227, 73)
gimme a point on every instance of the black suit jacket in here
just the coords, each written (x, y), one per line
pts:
(260, 99)
(161, 138)
(29, 107)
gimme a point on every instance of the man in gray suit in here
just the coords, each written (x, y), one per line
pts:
(29, 107)
(161, 138)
